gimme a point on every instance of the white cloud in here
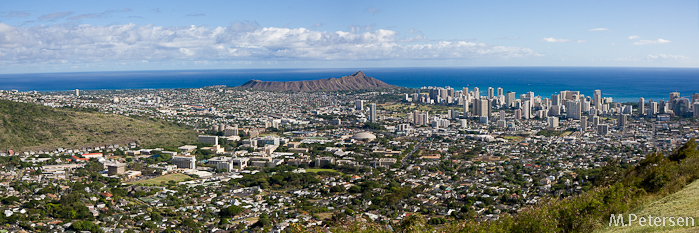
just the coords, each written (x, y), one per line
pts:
(646, 42)
(633, 37)
(599, 29)
(554, 40)
(242, 42)
(582, 41)
(666, 57)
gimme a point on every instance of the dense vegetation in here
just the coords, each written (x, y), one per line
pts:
(26, 126)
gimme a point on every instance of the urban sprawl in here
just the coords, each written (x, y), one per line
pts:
(271, 160)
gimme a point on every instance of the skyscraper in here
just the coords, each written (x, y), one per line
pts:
(696, 109)
(490, 92)
(526, 109)
(673, 97)
(499, 91)
(466, 103)
(509, 99)
(573, 109)
(372, 113)
(476, 93)
(555, 99)
(77, 92)
(595, 121)
(483, 107)
(597, 99)
(653, 109)
(621, 121)
(641, 106)
(695, 97)
(359, 105)
(583, 123)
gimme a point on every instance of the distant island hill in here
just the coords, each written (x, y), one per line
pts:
(356, 81)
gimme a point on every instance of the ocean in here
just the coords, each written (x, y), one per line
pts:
(622, 84)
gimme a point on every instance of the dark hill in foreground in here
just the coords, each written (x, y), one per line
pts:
(356, 81)
(26, 126)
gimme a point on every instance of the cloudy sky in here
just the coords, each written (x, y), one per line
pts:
(72, 36)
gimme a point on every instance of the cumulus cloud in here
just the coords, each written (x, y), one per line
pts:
(599, 29)
(246, 41)
(633, 37)
(647, 42)
(554, 40)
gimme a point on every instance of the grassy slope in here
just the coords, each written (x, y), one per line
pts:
(34, 127)
(684, 203)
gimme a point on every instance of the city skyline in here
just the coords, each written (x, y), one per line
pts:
(79, 36)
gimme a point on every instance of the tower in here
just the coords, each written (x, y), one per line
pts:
(509, 99)
(372, 113)
(641, 106)
(597, 99)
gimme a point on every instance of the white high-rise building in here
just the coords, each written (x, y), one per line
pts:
(509, 99)
(553, 122)
(372, 113)
(597, 99)
(573, 109)
(526, 109)
(695, 108)
(77, 92)
(641, 106)
(555, 99)
(491, 93)
(476, 93)
(500, 91)
(583, 123)
(359, 105)
(466, 107)
(621, 121)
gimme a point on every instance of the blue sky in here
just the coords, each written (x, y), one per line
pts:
(70, 36)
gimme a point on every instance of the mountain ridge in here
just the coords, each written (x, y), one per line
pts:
(356, 81)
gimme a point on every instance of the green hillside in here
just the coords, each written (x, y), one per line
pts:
(25, 126)
(684, 203)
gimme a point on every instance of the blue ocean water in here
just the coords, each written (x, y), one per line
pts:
(623, 84)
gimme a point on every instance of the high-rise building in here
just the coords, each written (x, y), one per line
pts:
(555, 99)
(681, 107)
(552, 121)
(491, 92)
(573, 109)
(597, 99)
(595, 121)
(502, 115)
(509, 99)
(583, 123)
(476, 93)
(653, 109)
(464, 91)
(482, 108)
(499, 91)
(696, 109)
(359, 105)
(695, 98)
(416, 117)
(518, 114)
(673, 97)
(621, 121)
(466, 103)
(77, 92)
(641, 106)
(602, 129)
(526, 109)
(372, 113)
